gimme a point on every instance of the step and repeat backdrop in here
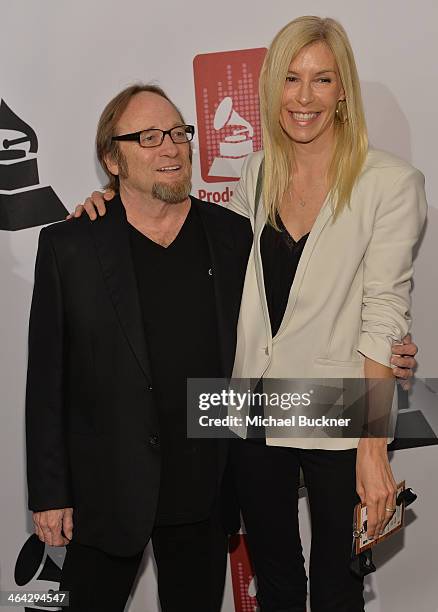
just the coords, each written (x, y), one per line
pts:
(61, 63)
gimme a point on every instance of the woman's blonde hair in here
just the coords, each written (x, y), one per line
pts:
(351, 141)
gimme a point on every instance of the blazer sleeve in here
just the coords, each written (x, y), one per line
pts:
(388, 266)
(48, 474)
(241, 202)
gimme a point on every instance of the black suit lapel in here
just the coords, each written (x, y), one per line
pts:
(111, 237)
(221, 245)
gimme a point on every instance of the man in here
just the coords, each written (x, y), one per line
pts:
(124, 311)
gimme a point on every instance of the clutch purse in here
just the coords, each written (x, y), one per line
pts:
(361, 554)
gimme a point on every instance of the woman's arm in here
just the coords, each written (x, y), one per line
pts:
(94, 205)
(388, 265)
(375, 482)
(388, 269)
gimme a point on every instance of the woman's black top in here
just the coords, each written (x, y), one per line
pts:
(280, 257)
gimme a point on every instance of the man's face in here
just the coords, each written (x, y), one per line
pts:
(162, 172)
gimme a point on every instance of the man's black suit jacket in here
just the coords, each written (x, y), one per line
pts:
(91, 422)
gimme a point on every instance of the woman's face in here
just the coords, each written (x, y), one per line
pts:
(311, 92)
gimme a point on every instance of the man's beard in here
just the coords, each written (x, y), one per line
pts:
(172, 194)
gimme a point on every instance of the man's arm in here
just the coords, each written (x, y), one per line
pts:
(403, 355)
(48, 473)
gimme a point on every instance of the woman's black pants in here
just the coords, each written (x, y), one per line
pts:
(267, 483)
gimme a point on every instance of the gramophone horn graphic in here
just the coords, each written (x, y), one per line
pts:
(234, 148)
(38, 562)
(23, 203)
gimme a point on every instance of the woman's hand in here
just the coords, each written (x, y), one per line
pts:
(375, 483)
(97, 201)
(404, 360)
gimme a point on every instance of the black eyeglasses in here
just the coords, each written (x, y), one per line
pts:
(154, 137)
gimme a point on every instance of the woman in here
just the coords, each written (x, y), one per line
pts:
(323, 298)
(326, 291)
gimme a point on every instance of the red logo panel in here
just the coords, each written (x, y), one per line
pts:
(242, 574)
(227, 106)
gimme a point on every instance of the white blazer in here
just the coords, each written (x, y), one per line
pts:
(351, 293)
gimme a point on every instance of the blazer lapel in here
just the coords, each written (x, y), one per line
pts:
(259, 224)
(322, 219)
(111, 237)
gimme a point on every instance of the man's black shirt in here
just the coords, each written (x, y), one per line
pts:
(177, 301)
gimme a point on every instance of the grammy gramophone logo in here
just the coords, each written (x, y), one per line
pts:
(227, 106)
(36, 566)
(23, 202)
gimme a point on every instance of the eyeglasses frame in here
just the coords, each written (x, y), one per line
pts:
(135, 136)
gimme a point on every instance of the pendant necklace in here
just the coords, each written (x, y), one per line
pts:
(301, 201)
